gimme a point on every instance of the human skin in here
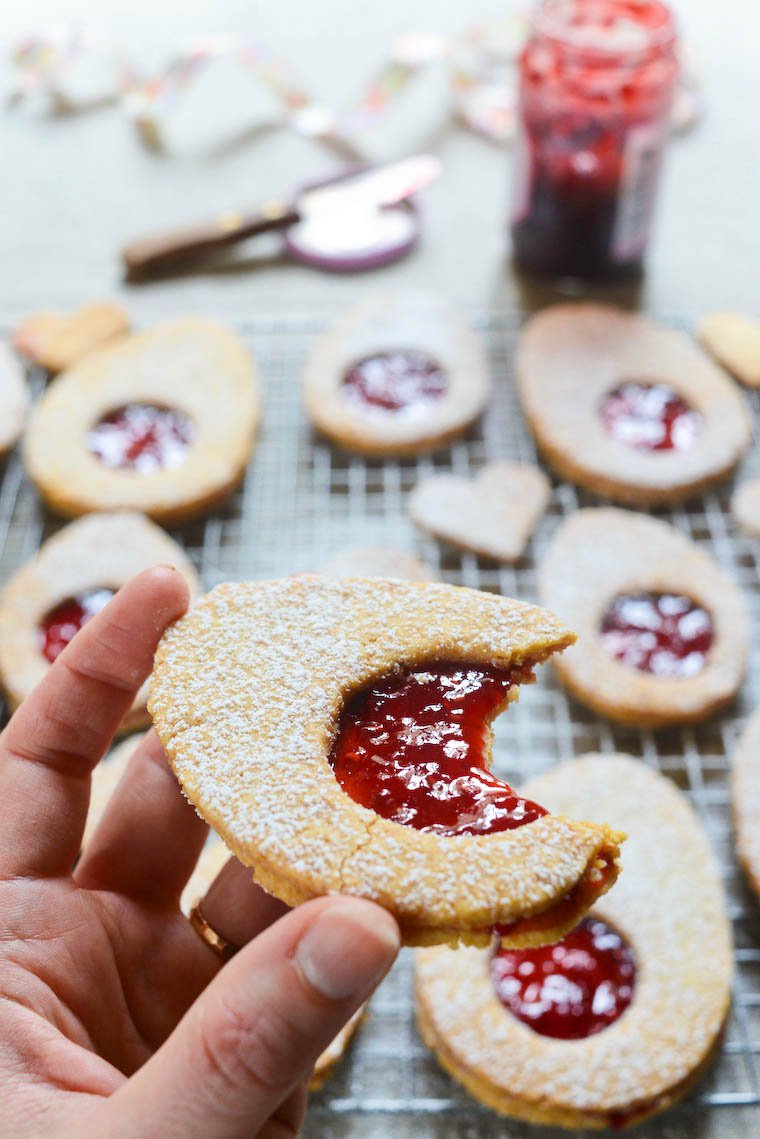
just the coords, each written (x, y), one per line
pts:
(117, 1019)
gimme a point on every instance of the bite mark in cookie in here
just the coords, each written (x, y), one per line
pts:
(247, 695)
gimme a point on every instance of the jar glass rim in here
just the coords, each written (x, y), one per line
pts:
(552, 22)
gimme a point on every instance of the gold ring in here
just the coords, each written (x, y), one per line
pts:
(223, 948)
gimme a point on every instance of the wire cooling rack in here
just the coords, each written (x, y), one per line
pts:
(303, 501)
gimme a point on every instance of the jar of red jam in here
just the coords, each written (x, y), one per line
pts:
(597, 79)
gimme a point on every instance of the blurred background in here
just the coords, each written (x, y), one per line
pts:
(78, 185)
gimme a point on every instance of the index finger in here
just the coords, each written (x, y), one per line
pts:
(65, 726)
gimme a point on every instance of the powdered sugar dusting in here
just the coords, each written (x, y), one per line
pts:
(246, 693)
(668, 903)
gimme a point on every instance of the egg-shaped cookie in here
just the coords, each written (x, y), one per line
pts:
(618, 1021)
(397, 375)
(163, 422)
(267, 697)
(626, 408)
(663, 632)
(72, 576)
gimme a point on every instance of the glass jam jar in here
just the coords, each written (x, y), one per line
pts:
(597, 79)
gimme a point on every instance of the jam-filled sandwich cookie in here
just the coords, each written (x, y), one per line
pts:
(627, 409)
(163, 422)
(377, 561)
(335, 733)
(493, 515)
(14, 399)
(56, 340)
(734, 340)
(663, 633)
(620, 1019)
(745, 795)
(396, 376)
(73, 575)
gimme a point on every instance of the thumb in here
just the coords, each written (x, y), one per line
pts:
(259, 1027)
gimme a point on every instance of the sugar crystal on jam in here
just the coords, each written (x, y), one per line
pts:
(142, 437)
(411, 747)
(570, 990)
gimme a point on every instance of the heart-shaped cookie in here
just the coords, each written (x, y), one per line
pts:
(734, 340)
(56, 340)
(493, 514)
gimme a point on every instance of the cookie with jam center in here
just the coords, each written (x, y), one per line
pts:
(626, 408)
(163, 422)
(621, 1019)
(272, 699)
(663, 633)
(397, 375)
(72, 576)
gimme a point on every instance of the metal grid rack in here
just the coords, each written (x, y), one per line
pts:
(303, 501)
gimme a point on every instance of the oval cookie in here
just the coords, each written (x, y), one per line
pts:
(625, 408)
(73, 574)
(611, 575)
(164, 423)
(396, 375)
(246, 696)
(668, 906)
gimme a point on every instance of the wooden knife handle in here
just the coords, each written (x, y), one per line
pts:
(167, 250)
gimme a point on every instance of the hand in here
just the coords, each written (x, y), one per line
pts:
(116, 1018)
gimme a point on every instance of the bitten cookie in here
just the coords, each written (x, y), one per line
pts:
(494, 514)
(396, 376)
(164, 423)
(620, 1020)
(663, 633)
(265, 694)
(14, 399)
(56, 340)
(73, 575)
(734, 341)
(625, 408)
(745, 796)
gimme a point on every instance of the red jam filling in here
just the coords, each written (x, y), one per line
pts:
(411, 748)
(596, 81)
(399, 381)
(663, 633)
(650, 417)
(142, 437)
(570, 990)
(65, 621)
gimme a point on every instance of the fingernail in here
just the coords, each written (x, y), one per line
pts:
(348, 949)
